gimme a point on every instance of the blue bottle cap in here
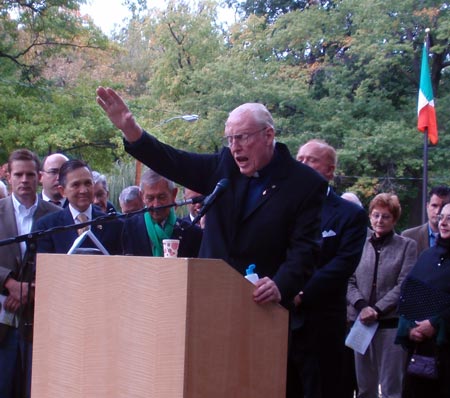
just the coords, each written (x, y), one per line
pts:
(250, 269)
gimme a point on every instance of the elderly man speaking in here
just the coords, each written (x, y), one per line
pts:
(270, 213)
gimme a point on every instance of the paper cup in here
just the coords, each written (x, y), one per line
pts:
(170, 247)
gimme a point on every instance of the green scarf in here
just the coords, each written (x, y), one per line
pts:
(157, 234)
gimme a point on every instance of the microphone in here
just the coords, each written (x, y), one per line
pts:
(192, 201)
(221, 186)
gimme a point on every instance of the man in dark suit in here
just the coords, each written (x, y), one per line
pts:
(49, 178)
(319, 348)
(270, 213)
(18, 213)
(143, 233)
(193, 208)
(425, 234)
(77, 186)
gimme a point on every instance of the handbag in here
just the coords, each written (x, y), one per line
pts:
(423, 366)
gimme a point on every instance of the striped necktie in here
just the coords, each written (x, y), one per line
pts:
(82, 218)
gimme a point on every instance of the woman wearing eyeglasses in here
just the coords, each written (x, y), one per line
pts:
(372, 296)
(424, 308)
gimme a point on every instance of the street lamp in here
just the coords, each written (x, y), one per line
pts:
(186, 118)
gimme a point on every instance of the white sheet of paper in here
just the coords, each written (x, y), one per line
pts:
(6, 317)
(360, 336)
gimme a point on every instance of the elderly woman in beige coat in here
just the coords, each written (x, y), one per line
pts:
(373, 293)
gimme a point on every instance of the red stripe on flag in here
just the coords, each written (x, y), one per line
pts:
(427, 120)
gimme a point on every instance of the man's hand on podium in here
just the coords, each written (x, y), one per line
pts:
(266, 291)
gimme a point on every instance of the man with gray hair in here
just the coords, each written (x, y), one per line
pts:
(143, 233)
(130, 199)
(101, 193)
(266, 216)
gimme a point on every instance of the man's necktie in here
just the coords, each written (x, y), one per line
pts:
(81, 219)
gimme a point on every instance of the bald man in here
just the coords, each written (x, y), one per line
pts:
(49, 178)
(319, 350)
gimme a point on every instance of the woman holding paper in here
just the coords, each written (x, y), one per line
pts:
(424, 309)
(372, 297)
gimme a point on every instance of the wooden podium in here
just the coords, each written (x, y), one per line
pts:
(122, 326)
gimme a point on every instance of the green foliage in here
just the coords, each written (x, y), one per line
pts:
(345, 71)
(119, 175)
(33, 31)
(272, 9)
(57, 120)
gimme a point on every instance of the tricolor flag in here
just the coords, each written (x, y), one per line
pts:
(426, 114)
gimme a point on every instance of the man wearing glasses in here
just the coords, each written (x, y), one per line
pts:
(270, 213)
(49, 179)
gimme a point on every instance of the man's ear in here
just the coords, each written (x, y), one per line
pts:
(61, 191)
(270, 134)
(332, 169)
(41, 173)
(174, 193)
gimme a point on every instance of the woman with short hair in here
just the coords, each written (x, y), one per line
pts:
(373, 293)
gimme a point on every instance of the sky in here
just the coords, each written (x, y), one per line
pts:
(107, 13)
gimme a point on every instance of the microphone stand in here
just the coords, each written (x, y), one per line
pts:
(32, 236)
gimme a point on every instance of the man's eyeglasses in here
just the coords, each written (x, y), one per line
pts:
(52, 172)
(240, 138)
(444, 217)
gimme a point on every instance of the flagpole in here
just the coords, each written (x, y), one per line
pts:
(425, 151)
(425, 176)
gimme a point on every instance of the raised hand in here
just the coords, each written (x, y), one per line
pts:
(119, 114)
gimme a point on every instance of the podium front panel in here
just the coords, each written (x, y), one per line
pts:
(109, 326)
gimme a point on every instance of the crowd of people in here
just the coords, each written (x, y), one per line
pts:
(321, 256)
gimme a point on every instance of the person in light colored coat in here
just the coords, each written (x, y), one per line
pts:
(373, 293)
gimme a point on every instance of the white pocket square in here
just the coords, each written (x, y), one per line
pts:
(328, 234)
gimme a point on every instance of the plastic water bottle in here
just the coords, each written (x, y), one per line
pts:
(250, 274)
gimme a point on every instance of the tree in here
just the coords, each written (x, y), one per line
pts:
(363, 61)
(33, 31)
(51, 61)
(271, 9)
(346, 71)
